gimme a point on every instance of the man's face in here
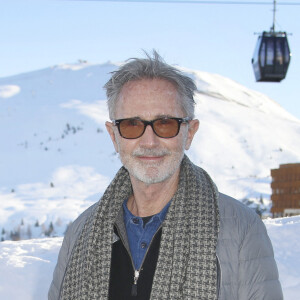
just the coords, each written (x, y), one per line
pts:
(149, 158)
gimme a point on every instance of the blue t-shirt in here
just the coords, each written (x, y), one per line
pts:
(140, 236)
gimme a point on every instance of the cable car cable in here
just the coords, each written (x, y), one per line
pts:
(272, 54)
(198, 2)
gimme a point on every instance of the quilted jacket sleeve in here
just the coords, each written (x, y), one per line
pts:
(248, 269)
(65, 253)
(258, 274)
(60, 268)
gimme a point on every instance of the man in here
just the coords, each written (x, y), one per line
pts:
(162, 230)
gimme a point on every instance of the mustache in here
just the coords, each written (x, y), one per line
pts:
(150, 152)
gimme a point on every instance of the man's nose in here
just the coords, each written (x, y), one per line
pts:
(149, 138)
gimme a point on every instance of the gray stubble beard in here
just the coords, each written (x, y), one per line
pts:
(155, 172)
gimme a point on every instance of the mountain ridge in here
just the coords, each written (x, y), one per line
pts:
(57, 158)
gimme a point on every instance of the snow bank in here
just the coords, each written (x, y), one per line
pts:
(27, 266)
(8, 91)
(284, 234)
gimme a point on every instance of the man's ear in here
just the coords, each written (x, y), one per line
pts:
(110, 130)
(193, 128)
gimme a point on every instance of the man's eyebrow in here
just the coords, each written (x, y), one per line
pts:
(154, 118)
(163, 116)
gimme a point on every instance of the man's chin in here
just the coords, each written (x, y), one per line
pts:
(150, 180)
(151, 176)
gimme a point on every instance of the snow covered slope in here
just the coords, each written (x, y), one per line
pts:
(27, 266)
(56, 157)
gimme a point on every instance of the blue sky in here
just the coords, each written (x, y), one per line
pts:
(208, 37)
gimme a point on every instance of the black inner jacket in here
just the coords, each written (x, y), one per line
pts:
(122, 272)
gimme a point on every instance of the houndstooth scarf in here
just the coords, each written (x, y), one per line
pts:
(186, 266)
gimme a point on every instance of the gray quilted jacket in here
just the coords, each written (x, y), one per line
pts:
(247, 267)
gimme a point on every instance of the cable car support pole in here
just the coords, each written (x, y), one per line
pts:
(274, 11)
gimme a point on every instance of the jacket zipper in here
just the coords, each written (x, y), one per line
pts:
(137, 272)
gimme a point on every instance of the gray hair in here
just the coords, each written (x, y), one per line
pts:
(150, 68)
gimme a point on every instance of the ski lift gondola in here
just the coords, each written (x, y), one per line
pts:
(272, 55)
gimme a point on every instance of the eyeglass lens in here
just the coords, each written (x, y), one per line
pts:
(134, 128)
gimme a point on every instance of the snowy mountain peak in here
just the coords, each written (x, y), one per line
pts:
(225, 89)
(56, 157)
